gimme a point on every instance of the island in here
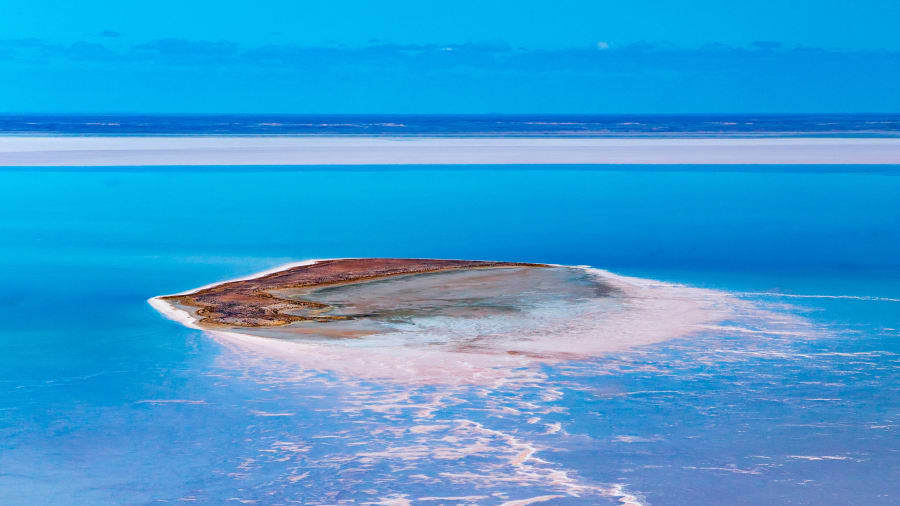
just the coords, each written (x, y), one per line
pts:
(276, 299)
(440, 320)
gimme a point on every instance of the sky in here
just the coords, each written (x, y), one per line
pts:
(422, 56)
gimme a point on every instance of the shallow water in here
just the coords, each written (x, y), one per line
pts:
(103, 400)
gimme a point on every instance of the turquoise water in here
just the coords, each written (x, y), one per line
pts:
(102, 400)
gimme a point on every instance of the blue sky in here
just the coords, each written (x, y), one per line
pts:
(443, 57)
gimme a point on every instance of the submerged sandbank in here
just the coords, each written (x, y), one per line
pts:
(357, 150)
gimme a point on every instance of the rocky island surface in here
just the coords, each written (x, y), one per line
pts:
(272, 300)
(441, 321)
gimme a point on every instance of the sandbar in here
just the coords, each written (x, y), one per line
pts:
(23, 151)
(444, 321)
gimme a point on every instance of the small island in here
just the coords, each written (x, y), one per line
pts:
(440, 320)
(276, 299)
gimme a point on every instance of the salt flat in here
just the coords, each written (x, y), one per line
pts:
(314, 150)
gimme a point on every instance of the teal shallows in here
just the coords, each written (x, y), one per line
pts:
(102, 400)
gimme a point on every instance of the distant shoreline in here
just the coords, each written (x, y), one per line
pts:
(36, 150)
